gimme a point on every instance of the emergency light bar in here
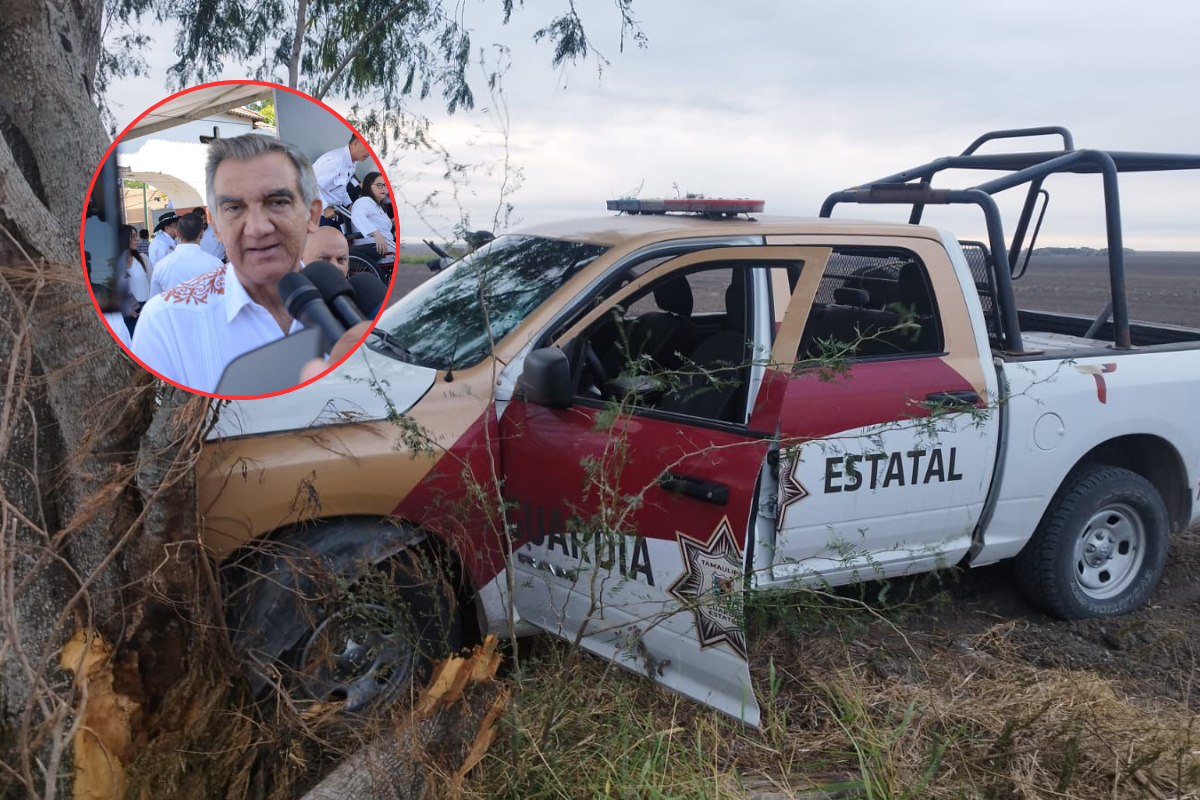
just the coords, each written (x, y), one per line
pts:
(690, 205)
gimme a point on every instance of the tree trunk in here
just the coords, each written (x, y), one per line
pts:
(429, 751)
(74, 408)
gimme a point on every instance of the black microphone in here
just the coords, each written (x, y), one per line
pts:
(336, 290)
(304, 302)
(369, 293)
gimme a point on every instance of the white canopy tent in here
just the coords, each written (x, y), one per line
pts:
(197, 105)
(168, 147)
(181, 192)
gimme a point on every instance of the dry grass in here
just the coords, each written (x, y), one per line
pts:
(853, 710)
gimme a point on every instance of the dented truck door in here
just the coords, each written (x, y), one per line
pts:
(630, 508)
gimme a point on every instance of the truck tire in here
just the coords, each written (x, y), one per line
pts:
(372, 641)
(311, 615)
(1100, 547)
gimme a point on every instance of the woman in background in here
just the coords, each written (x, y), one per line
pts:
(136, 274)
(372, 223)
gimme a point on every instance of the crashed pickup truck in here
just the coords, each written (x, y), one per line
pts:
(611, 429)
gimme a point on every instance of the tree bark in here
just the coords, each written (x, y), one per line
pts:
(74, 408)
(430, 750)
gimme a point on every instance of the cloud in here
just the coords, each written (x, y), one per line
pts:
(790, 101)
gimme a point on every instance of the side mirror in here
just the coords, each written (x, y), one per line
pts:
(546, 379)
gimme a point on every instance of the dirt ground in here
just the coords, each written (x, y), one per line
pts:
(1161, 286)
(1151, 653)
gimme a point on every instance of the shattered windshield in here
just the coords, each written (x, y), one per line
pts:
(445, 320)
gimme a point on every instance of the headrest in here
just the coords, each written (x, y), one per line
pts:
(849, 296)
(913, 291)
(735, 303)
(675, 296)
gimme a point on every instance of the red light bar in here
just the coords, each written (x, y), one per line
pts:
(688, 205)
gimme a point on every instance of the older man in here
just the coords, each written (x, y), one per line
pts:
(265, 203)
(328, 244)
(165, 237)
(334, 171)
(187, 261)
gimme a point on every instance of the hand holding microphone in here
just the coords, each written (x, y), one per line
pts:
(336, 291)
(275, 366)
(304, 302)
(314, 367)
(346, 301)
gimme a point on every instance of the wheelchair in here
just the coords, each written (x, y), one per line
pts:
(363, 258)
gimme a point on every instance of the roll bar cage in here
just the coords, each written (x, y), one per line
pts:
(914, 186)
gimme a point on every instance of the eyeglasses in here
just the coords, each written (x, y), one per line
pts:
(379, 185)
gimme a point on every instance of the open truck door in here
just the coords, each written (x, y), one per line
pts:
(633, 451)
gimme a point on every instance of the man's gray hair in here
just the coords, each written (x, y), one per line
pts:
(253, 145)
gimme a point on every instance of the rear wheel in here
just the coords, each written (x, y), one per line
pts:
(1100, 548)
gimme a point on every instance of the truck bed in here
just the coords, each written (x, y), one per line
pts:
(1063, 334)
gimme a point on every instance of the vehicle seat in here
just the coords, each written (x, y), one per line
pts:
(913, 293)
(850, 325)
(848, 296)
(663, 333)
(879, 282)
(697, 396)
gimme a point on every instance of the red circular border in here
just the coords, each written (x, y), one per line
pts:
(83, 221)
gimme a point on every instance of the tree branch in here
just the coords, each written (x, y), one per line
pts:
(362, 40)
(297, 42)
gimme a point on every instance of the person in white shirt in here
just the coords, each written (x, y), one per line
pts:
(137, 271)
(164, 238)
(265, 203)
(116, 323)
(209, 241)
(186, 261)
(328, 244)
(334, 170)
(369, 219)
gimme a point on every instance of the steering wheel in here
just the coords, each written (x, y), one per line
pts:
(591, 360)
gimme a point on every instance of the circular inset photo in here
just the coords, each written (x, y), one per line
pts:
(239, 239)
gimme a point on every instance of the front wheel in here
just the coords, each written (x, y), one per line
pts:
(368, 642)
(346, 614)
(1100, 548)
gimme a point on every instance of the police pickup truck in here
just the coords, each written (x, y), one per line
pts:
(610, 428)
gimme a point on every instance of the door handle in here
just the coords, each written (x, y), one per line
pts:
(950, 400)
(707, 491)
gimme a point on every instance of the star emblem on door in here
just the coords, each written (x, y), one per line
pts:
(710, 587)
(791, 490)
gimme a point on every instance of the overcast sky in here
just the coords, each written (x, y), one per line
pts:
(789, 101)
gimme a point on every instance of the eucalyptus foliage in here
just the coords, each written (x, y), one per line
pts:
(387, 50)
